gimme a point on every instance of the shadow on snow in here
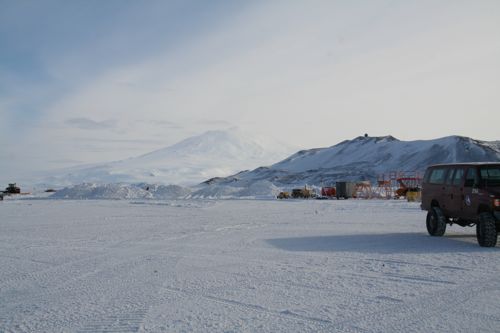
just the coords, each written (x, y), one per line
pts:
(382, 243)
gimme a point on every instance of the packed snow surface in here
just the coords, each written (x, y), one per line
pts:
(240, 266)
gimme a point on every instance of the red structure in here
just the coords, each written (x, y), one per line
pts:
(396, 184)
(328, 191)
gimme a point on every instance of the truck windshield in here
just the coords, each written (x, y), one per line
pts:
(490, 175)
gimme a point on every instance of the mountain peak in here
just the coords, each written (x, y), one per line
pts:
(366, 138)
(216, 153)
(376, 139)
(365, 157)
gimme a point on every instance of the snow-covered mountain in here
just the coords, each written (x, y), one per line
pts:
(212, 154)
(364, 158)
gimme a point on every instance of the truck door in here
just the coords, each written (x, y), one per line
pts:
(456, 191)
(447, 191)
(435, 186)
(470, 193)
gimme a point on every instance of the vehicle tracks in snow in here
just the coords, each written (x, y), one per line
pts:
(284, 314)
(396, 312)
(81, 264)
(382, 276)
(288, 284)
(84, 290)
(123, 322)
(401, 317)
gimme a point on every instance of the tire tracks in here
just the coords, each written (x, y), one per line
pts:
(325, 323)
(399, 318)
(126, 322)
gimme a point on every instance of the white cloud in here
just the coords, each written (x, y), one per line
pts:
(89, 124)
(312, 73)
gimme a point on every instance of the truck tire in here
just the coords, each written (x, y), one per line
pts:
(486, 230)
(436, 222)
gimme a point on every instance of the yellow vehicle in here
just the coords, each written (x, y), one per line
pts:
(304, 193)
(283, 195)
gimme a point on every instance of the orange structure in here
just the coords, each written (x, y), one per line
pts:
(396, 184)
(364, 190)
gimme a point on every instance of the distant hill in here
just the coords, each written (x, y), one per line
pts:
(212, 154)
(216, 153)
(363, 158)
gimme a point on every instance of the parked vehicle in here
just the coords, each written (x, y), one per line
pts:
(303, 193)
(466, 194)
(345, 190)
(328, 191)
(283, 195)
(413, 194)
(12, 189)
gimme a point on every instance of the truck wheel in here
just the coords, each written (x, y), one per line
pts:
(486, 230)
(436, 222)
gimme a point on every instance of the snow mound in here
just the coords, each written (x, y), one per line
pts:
(91, 191)
(258, 190)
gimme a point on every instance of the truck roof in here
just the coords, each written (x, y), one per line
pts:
(465, 164)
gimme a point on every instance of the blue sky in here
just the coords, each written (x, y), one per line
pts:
(86, 38)
(92, 81)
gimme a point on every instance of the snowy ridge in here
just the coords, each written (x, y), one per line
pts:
(261, 189)
(122, 191)
(364, 158)
(382, 154)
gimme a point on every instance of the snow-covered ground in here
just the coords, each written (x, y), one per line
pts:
(233, 266)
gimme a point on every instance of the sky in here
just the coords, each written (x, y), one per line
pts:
(89, 81)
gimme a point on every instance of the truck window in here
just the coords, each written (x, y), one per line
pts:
(458, 177)
(490, 175)
(427, 175)
(471, 179)
(449, 179)
(437, 176)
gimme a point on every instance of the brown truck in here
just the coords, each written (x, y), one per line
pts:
(466, 194)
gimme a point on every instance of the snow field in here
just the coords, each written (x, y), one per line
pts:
(242, 265)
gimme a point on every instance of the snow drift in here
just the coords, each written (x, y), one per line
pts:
(122, 191)
(262, 189)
